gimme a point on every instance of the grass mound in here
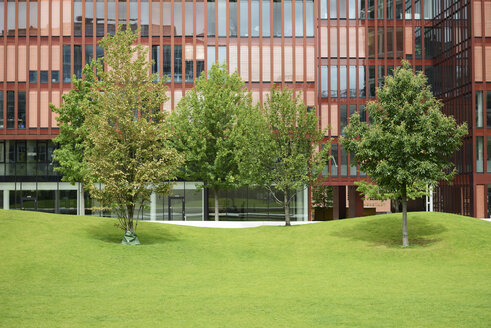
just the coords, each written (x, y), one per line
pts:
(68, 271)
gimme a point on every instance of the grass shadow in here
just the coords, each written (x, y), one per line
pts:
(386, 230)
(148, 235)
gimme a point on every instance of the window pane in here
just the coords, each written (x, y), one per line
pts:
(479, 105)
(222, 18)
(334, 160)
(55, 76)
(428, 9)
(33, 76)
(277, 18)
(418, 42)
(324, 82)
(210, 7)
(371, 9)
(362, 89)
(381, 76)
(21, 110)
(177, 18)
(371, 42)
(361, 9)
(211, 56)
(352, 82)
(244, 18)
(2, 15)
(156, 59)
(11, 17)
(409, 7)
(390, 42)
(352, 9)
(100, 16)
(177, 64)
(144, 19)
(352, 168)
(222, 55)
(399, 9)
(371, 81)
(334, 81)
(488, 109)
(381, 44)
(89, 17)
(166, 61)
(232, 12)
(488, 165)
(89, 55)
(200, 19)
(188, 19)
(77, 61)
(33, 18)
(266, 18)
(333, 14)
(22, 17)
(343, 117)
(390, 9)
(77, 16)
(255, 17)
(122, 13)
(323, 14)
(10, 109)
(111, 17)
(66, 64)
(344, 162)
(298, 18)
(166, 18)
(1, 118)
(309, 18)
(417, 9)
(479, 154)
(342, 9)
(288, 18)
(343, 85)
(44, 76)
(189, 71)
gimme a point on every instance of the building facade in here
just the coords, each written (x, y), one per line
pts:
(335, 52)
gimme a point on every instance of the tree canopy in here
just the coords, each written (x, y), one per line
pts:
(409, 142)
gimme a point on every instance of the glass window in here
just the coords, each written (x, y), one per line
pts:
(266, 19)
(333, 9)
(343, 82)
(156, 18)
(418, 42)
(44, 77)
(222, 18)
(417, 9)
(122, 14)
(479, 111)
(479, 154)
(10, 109)
(371, 42)
(189, 71)
(324, 82)
(381, 44)
(1, 114)
(177, 64)
(334, 160)
(89, 54)
(334, 81)
(144, 18)
(381, 76)
(33, 76)
(211, 56)
(11, 17)
(111, 17)
(428, 9)
(288, 27)
(309, 18)
(371, 81)
(22, 17)
(254, 18)
(55, 76)
(371, 9)
(210, 8)
(77, 17)
(428, 35)
(177, 18)
(244, 18)
(100, 16)
(77, 61)
(21, 109)
(200, 18)
(363, 113)
(232, 13)
(33, 18)
(298, 18)
(352, 9)
(361, 9)
(156, 59)
(166, 61)
(362, 89)
(390, 9)
(343, 161)
(200, 67)
(277, 18)
(390, 42)
(323, 14)
(66, 64)
(409, 7)
(342, 9)
(2, 15)
(222, 55)
(488, 109)
(189, 20)
(352, 168)
(89, 17)
(399, 10)
(343, 117)
(166, 18)
(380, 9)
(352, 82)
(488, 159)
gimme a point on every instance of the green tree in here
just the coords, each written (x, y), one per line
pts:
(408, 144)
(72, 132)
(281, 147)
(204, 121)
(125, 140)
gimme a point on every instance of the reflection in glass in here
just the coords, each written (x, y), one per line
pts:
(166, 61)
(222, 18)
(288, 21)
(479, 154)
(309, 18)
(277, 18)
(111, 17)
(343, 87)
(210, 8)
(255, 18)
(298, 18)
(232, 13)
(10, 109)
(177, 18)
(100, 16)
(324, 82)
(66, 64)
(244, 18)
(177, 63)
(334, 81)
(334, 160)
(362, 89)
(77, 16)
(122, 14)
(266, 18)
(188, 18)
(352, 82)
(89, 18)
(144, 17)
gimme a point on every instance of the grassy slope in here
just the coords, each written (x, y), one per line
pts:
(70, 271)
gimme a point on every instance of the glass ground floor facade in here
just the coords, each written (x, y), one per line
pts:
(186, 202)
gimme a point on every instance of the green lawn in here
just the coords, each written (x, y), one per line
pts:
(68, 271)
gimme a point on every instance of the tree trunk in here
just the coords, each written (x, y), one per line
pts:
(286, 206)
(130, 213)
(215, 194)
(405, 240)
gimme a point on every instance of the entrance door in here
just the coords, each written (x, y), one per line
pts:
(176, 208)
(29, 203)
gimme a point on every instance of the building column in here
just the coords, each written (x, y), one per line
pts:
(339, 202)
(355, 202)
(153, 206)
(6, 199)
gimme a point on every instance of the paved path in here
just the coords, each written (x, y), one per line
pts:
(487, 219)
(232, 224)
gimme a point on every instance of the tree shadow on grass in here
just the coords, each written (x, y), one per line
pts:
(109, 233)
(387, 231)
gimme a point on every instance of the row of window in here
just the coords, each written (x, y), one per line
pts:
(10, 108)
(480, 154)
(167, 19)
(375, 9)
(482, 98)
(26, 158)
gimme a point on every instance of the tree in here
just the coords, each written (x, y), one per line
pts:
(408, 143)
(204, 121)
(126, 145)
(281, 147)
(71, 118)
